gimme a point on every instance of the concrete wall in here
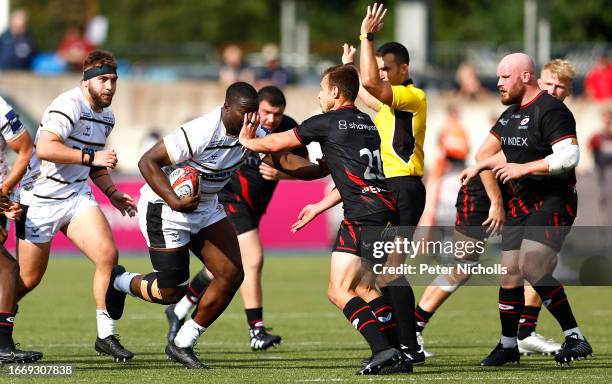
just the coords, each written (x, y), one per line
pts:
(140, 106)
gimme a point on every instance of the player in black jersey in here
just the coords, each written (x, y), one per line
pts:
(475, 211)
(348, 139)
(533, 151)
(245, 198)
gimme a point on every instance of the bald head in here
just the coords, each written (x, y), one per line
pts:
(518, 62)
(516, 78)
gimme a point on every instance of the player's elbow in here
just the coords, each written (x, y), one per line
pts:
(44, 150)
(565, 157)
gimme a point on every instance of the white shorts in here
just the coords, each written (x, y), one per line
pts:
(164, 228)
(43, 220)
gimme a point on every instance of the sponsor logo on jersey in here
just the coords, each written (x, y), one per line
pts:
(13, 120)
(371, 189)
(514, 141)
(524, 121)
(343, 124)
(504, 122)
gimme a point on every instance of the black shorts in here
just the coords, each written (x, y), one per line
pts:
(350, 232)
(548, 228)
(472, 209)
(242, 217)
(471, 224)
(409, 192)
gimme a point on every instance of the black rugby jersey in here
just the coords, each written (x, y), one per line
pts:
(351, 145)
(247, 186)
(527, 133)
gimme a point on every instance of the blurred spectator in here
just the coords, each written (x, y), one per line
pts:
(16, 48)
(469, 83)
(74, 48)
(598, 82)
(442, 182)
(273, 73)
(601, 145)
(234, 68)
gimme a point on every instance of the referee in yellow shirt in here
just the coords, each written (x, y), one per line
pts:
(402, 112)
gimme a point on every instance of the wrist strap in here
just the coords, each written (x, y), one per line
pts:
(108, 188)
(87, 151)
(366, 36)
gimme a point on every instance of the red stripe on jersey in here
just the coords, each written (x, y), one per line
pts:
(360, 183)
(533, 101)
(297, 135)
(244, 187)
(562, 138)
(496, 135)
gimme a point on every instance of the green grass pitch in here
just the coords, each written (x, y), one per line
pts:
(58, 318)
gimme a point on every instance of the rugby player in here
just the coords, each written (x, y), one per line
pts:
(401, 122)
(14, 135)
(349, 141)
(245, 199)
(533, 151)
(172, 226)
(55, 195)
(479, 206)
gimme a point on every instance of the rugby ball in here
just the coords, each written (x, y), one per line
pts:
(185, 181)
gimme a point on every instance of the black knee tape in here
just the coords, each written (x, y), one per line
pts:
(172, 266)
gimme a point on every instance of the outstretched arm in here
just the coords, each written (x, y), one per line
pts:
(295, 166)
(309, 212)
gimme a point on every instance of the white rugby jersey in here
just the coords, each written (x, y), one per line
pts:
(204, 145)
(11, 130)
(70, 117)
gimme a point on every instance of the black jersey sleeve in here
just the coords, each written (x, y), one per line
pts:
(558, 124)
(315, 128)
(287, 124)
(497, 128)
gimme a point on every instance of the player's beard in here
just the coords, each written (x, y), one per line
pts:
(512, 96)
(99, 100)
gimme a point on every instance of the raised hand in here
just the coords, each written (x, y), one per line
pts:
(373, 20)
(348, 54)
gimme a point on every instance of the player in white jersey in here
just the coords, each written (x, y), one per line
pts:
(56, 197)
(173, 226)
(14, 135)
